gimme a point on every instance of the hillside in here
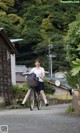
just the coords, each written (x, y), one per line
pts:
(39, 23)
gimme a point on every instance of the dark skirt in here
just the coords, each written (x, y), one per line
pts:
(40, 86)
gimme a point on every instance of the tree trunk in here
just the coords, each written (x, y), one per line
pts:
(76, 102)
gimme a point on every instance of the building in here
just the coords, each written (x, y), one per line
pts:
(6, 49)
(20, 74)
(13, 62)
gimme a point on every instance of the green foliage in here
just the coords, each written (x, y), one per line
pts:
(46, 24)
(3, 6)
(15, 19)
(39, 23)
(73, 39)
(73, 81)
(8, 2)
(19, 91)
(2, 13)
(73, 52)
(75, 67)
(12, 29)
(49, 88)
(70, 109)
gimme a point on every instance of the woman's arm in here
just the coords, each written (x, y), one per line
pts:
(42, 74)
(32, 71)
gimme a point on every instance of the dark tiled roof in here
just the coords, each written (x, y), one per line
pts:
(21, 69)
(8, 42)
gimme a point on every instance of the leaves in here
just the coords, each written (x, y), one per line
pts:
(73, 39)
(76, 67)
(8, 2)
(3, 6)
(39, 23)
(73, 81)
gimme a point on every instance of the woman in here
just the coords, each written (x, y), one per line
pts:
(40, 73)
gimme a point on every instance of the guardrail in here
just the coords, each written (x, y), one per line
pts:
(52, 82)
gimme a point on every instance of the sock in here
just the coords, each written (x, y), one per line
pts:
(26, 97)
(45, 101)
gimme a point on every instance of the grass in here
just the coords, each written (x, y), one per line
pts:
(60, 96)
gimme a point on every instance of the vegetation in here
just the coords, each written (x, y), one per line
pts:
(73, 40)
(19, 91)
(39, 23)
(64, 97)
(70, 109)
(73, 52)
(73, 81)
(49, 89)
(73, 56)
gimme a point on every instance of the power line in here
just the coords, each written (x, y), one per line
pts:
(24, 54)
(44, 49)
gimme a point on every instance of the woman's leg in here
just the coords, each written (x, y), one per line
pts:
(26, 97)
(44, 97)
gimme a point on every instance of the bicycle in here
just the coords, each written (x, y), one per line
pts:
(35, 97)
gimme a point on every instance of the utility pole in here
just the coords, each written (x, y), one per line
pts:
(49, 52)
(51, 65)
(50, 59)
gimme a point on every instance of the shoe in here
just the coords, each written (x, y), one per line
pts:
(31, 108)
(47, 104)
(22, 104)
(70, 91)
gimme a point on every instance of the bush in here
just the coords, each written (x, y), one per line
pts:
(19, 91)
(73, 81)
(70, 109)
(49, 89)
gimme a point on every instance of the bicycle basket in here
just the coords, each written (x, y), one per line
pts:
(32, 80)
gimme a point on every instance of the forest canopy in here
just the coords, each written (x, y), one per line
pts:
(39, 23)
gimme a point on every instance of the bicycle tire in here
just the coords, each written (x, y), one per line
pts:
(39, 102)
(32, 100)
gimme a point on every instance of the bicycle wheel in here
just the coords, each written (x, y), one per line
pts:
(32, 100)
(39, 102)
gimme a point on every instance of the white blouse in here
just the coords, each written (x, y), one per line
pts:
(39, 72)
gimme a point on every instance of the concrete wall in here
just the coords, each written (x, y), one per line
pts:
(60, 91)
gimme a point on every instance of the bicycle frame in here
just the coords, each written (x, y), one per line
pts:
(35, 98)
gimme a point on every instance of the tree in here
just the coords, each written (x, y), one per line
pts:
(72, 40)
(72, 47)
(39, 23)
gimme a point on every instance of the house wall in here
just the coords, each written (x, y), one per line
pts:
(5, 71)
(13, 69)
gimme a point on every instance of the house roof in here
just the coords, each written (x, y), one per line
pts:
(8, 42)
(21, 69)
(16, 40)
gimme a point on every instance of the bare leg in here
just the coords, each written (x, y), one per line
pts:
(43, 96)
(26, 97)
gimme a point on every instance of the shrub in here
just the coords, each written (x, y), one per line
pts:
(19, 91)
(73, 81)
(49, 89)
(70, 109)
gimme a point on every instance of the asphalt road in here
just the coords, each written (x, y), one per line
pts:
(52, 119)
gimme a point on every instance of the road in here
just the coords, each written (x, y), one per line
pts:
(52, 119)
